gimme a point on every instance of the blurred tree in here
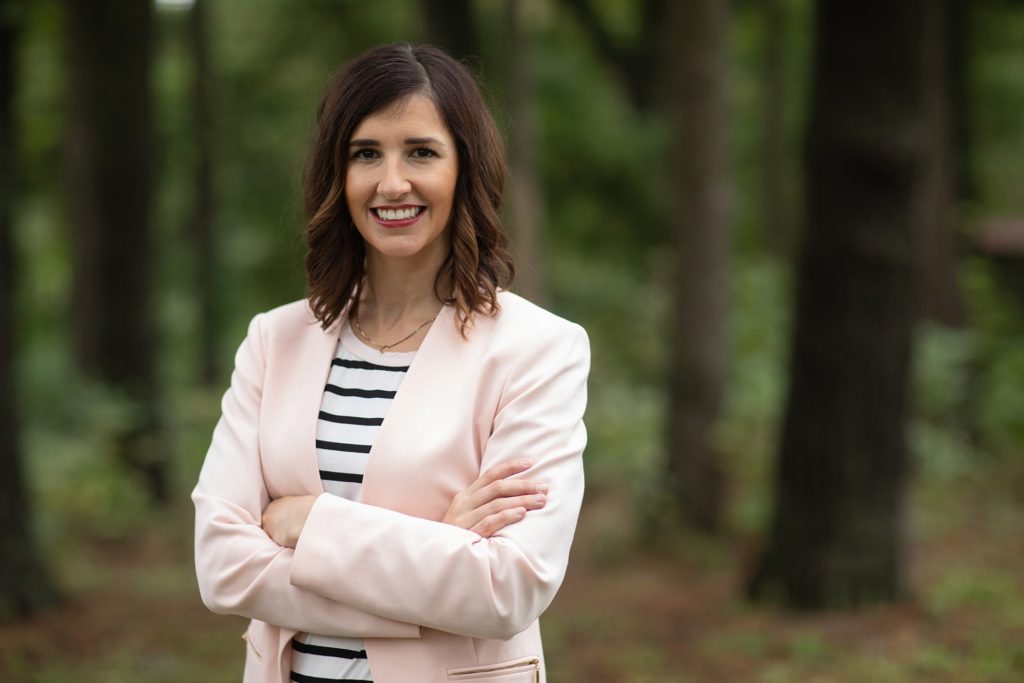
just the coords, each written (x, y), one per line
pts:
(527, 200)
(110, 187)
(698, 175)
(836, 539)
(451, 25)
(200, 229)
(639, 62)
(24, 585)
(778, 232)
(939, 295)
(678, 62)
(958, 20)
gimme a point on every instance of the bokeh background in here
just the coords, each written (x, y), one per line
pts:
(794, 232)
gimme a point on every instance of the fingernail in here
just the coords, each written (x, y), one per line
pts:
(541, 487)
(540, 499)
(520, 512)
(526, 463)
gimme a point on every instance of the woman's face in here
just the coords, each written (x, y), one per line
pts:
(400, 182)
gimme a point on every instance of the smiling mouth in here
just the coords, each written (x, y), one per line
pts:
(398, 215)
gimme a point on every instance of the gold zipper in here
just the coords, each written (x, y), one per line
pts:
(504, 667)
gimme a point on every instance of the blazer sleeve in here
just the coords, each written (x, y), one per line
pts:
(240, 569)
(447, 578)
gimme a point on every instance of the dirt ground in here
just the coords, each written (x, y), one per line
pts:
(625, 613)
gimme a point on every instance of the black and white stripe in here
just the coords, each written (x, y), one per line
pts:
(360, 387)
(357, 396)
(323, 658)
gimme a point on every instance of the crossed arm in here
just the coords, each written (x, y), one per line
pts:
(489, 575)
(490, 504)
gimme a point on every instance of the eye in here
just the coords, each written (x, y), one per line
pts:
(422, 153)
(365, 154)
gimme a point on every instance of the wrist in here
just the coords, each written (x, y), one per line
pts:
(304, 505)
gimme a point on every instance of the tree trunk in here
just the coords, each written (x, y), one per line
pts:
(450, 25)
(777, 231)
(109, 173)
(527, 205)
(939, 298)
(837, 536)
(24, 585)
(697, 34)
(679, 62)
(641, 63)
(960, 32)
(201, 231)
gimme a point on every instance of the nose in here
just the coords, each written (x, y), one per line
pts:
(393, 184)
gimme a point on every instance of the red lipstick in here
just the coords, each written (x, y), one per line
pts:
(397, 216)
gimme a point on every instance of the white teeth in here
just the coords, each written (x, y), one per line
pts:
(397, 214)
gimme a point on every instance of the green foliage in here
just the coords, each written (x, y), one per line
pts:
(601, 161)
(748, 102)
(997, 98)
(995, 366)
(79, 485)
(939, 434)
(609, 267)
(748, 433)
(972, 587)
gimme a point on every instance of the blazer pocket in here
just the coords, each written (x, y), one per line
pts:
(515, 671)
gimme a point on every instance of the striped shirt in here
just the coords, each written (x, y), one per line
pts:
(360, 387)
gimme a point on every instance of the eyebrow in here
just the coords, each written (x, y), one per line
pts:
(366, 142)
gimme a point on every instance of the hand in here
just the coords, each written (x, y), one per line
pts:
(284, 518)
(494, 501)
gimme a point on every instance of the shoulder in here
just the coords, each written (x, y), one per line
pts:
(521, 329)
(520, 317)
(286, 324)
(294, 315)
(534, 348)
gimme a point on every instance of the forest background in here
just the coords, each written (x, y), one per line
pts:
(770, 343)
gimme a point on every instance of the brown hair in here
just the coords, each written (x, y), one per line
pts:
(478, 262)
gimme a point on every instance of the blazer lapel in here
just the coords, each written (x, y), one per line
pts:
(295, 411)
(430, 378)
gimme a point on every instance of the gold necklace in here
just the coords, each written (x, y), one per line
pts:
(384, 347)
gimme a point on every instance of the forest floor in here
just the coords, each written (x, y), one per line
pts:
(626, 613)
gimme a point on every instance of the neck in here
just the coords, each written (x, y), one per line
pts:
(398, 292)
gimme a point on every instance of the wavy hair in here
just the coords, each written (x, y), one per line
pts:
(478, 262)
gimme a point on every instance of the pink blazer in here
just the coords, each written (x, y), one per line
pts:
(434, 602)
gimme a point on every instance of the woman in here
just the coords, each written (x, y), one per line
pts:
(431, 556)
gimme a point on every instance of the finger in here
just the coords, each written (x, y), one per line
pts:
(530, 502)
(496, 508)
(506, 488)
(499, 472)
(492, 524)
